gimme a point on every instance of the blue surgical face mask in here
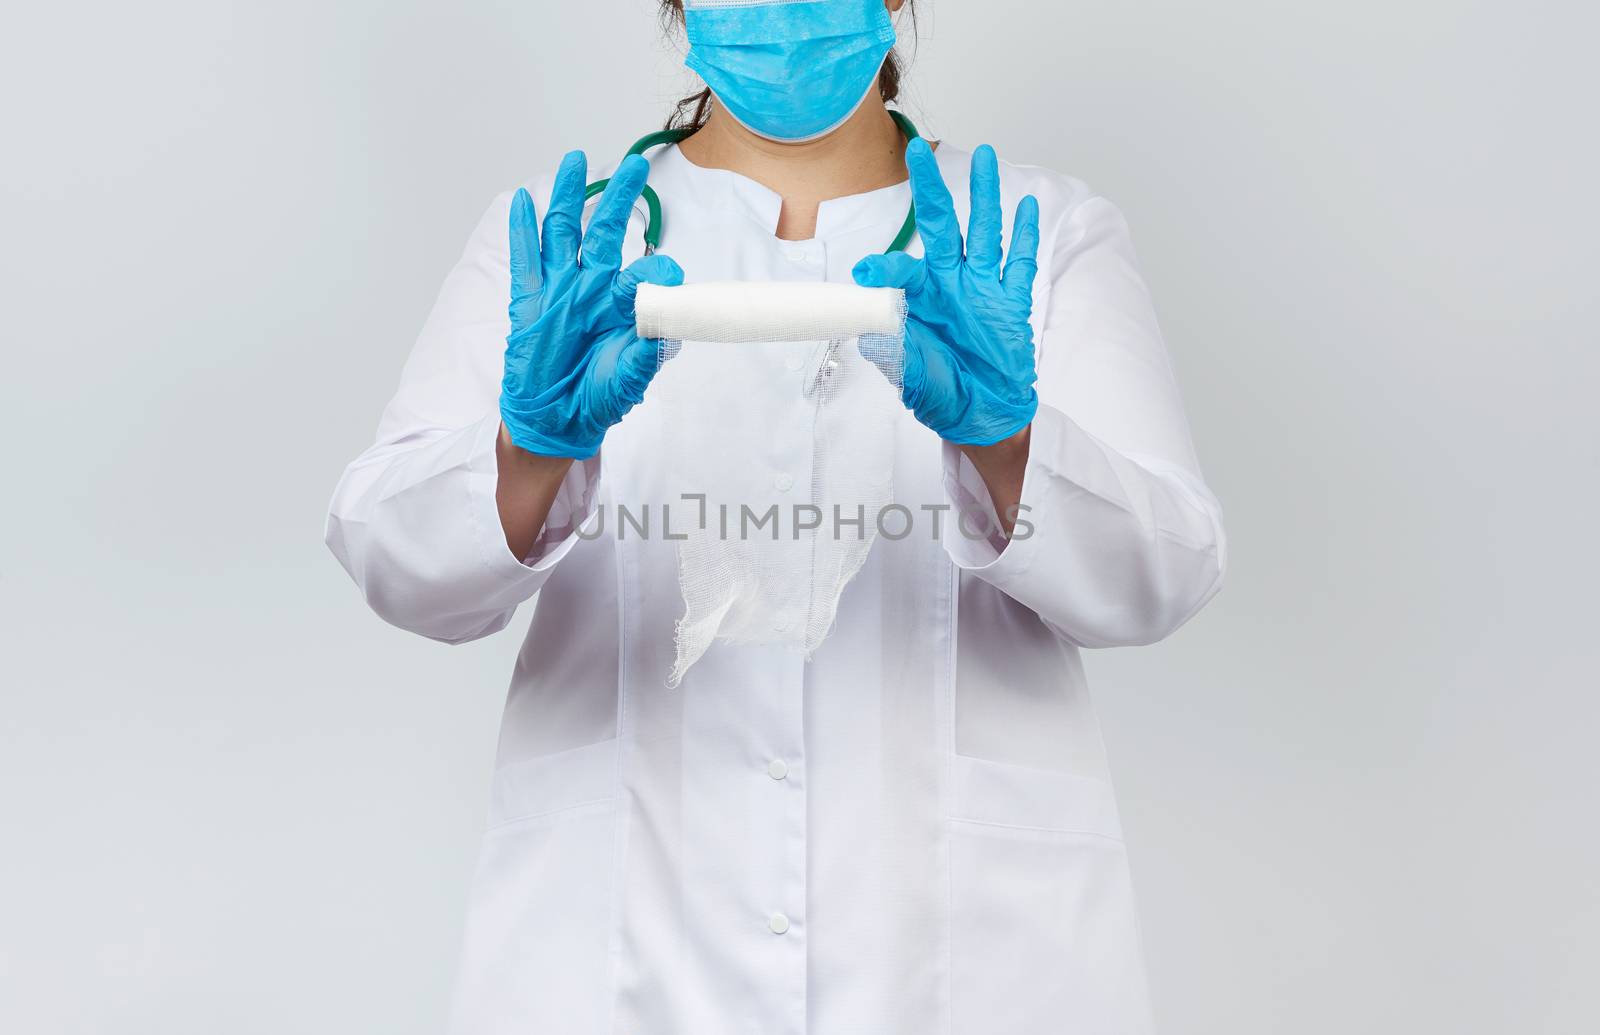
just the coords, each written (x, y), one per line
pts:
(789, 70)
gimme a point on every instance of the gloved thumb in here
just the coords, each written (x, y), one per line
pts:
(652, 269)
(894, 270)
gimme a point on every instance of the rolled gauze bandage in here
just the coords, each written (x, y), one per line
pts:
(741, 311)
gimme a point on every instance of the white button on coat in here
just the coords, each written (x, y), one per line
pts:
(779, 924)
(777, 769)
(955, 839)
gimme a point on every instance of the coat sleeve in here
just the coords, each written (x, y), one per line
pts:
(1119, 541)
(413, 519)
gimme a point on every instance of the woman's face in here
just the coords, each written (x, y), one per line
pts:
(676, 6)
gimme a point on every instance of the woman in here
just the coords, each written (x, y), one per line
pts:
(913, 830)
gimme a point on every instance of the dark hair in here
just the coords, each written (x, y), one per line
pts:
(692, 112)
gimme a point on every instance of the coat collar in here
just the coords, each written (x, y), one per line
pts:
(684, 185)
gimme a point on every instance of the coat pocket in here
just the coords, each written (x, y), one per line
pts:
(1044, 933)
(545, 785)
(537, 949)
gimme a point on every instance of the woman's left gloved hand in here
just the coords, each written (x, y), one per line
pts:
(969, 366)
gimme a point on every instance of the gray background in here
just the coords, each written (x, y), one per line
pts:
(1359, 788)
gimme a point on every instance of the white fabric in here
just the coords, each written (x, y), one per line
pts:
(765, 311)
(944, 844)
(761, 563)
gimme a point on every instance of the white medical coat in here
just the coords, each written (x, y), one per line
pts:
(914, 832)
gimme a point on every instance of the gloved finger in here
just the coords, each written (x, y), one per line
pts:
(936, 210)
(637, 365)
(652, 269)
(602, 245)
(563, 224)
(983, 226)
(1022, 265)
(890, 354)
(894, 270)
(932, 380)
(525, 279)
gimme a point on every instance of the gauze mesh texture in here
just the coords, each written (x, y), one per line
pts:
(764, 560)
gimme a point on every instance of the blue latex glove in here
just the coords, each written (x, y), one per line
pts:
(574, 365)
(969, 369)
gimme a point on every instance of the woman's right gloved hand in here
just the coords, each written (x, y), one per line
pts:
(574, 365)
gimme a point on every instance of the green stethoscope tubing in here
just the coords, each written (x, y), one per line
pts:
(652, 229)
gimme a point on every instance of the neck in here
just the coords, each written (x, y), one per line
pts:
(864, 154)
